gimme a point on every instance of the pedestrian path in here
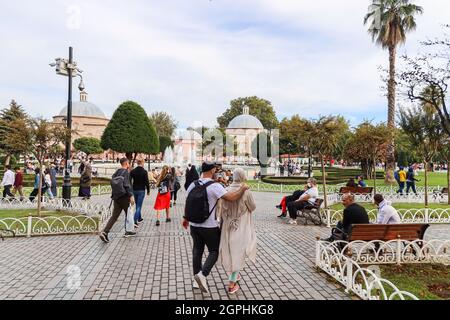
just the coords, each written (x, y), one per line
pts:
(156, 264)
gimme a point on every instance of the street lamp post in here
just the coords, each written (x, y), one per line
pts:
(68, 68)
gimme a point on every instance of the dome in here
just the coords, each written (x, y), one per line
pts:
(245, 121)
(187, 135)
(84, 109)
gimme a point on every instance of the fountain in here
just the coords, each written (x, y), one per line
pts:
(168, 156)
(179, 159)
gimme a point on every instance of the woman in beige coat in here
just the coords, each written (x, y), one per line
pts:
(238, 237)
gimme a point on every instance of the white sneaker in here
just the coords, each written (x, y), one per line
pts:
(195, 285)
(293, 222)
(201, 281)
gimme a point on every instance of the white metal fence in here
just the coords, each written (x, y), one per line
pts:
(363, 280)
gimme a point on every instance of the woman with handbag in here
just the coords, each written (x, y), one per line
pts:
(162, 201)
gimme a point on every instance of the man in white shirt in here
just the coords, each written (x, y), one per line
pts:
(308, 198)
(208, 233)
(8, 182)
(387, 214)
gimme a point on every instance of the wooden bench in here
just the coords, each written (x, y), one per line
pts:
(387, 232)
(358, 190)
(311, 213)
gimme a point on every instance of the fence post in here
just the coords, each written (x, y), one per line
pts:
(99, 190)
(399, 251)
(426, 215)
(328, 218)
(258, 187)
(349, 275)
(29, 225)
(281, 189)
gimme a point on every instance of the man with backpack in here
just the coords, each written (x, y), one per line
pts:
(200, 213)
(122, 197)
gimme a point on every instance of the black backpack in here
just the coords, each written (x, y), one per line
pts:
(197, 205)
(117, 185)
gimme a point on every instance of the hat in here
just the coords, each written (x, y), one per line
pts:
(208, 166)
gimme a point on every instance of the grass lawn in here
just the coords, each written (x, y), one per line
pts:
(370, 206)
(65, 223)
(425, 281)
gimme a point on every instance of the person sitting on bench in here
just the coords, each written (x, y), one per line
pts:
(284, 202)
(353, 214)
(307, 199)
(386, 213)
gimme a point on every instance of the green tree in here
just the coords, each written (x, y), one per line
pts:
(163, 123)
(88, 145)
(389, 21)
(425, 134)
(260, 108)
(130, 131)
(38, 137)
(164, 142)
(367, 145)
(326, 133)
(8, 116)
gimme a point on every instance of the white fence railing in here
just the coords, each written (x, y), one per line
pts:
(363, 281)
(331, 217)
(436, 198)
(78, 217)
(96, 190)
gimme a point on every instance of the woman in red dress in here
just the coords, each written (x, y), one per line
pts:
(162, 201)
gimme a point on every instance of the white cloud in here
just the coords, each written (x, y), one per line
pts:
(192, 58)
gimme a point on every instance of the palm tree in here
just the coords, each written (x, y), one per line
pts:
(389, 21)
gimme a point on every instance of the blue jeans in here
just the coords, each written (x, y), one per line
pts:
(139, 196)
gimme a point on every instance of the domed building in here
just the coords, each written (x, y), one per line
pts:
(244, 129)
(88, 120)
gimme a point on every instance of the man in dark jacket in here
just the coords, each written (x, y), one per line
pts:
(120, 201)
(140, 182)
(353, 214)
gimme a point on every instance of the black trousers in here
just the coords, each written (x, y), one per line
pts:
(294, 206)
(120, 205)
(35, 192)
(7, 191)
(209, 237)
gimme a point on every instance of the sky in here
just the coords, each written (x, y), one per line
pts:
(190, 58)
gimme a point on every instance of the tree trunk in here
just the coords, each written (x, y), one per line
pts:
(390, 158)
(134, 159)
(324, 182)
(426, 184)
(448, 182)
(7, 159)
(374, 177)
(41, 178)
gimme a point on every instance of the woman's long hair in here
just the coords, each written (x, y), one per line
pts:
(163, 174)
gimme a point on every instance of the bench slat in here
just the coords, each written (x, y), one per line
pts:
(368, 232)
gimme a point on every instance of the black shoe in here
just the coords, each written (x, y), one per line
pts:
(104, 237)
(129, 234)
(278, 207)
(140, 220)
(283, 215)
(158, 223)
(168, 220)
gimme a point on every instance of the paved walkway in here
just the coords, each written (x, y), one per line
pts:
(157, 263)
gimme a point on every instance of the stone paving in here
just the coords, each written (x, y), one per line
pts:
(157, 263)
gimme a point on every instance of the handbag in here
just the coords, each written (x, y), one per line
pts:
(163, 189)
(129, 219)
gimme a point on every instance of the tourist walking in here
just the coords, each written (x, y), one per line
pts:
(191, 176)
(35, 191)
(85, 181)
(387, 214)
(141, 184)
(200, 214)
(48, 183)
(18, 183)
(122, 197)
(53, 174)
(162, 201)
(8, 182)
(411, 181)
(400, 177)
(174, 185)
(238, 237)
